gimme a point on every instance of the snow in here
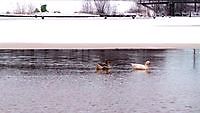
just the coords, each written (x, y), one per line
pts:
(100, 30)
(93, 30)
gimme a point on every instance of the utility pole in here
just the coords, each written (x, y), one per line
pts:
(194, 58)
(195, 6)
(171, 8)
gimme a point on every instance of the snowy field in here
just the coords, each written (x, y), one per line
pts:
(99, 30)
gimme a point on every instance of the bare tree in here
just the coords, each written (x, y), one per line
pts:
(102, 6)
(30, 9)
(20, 9)
(24, 9)
(113, 10)
(135, 7)
(87, 6)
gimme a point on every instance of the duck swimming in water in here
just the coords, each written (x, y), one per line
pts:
(103, 66)
(141, 66)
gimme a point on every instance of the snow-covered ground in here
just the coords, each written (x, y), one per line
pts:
(100, 30)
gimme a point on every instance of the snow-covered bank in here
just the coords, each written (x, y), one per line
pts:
(99, 30)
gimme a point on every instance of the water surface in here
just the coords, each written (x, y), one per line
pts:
(65, 81)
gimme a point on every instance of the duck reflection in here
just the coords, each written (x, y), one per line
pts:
(141, 71)
(103, 71)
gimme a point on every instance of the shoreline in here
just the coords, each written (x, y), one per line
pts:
(99, 45)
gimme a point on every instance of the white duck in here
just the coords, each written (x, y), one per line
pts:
(141, 66)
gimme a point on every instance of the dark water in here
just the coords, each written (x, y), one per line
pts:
(65, 81)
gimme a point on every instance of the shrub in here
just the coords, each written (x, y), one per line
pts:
(36, 10)
(7, 12)
(44, 8)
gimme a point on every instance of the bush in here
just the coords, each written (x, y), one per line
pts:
(36, 10)
(7, 12)
(56, 12)
(44, 8)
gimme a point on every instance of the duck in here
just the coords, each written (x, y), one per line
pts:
(141, 66)
(103, 66)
